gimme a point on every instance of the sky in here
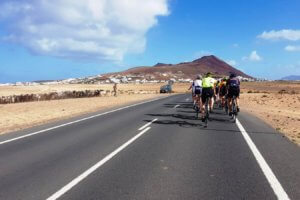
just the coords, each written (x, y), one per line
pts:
(58, 39)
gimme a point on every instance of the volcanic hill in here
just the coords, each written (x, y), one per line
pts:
(184, 70)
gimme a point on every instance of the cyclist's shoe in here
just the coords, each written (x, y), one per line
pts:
(203, 119)
(210, 111)
(230, 114)
(238, 109)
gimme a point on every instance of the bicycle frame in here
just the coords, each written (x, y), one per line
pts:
(234, 109)
(206, 111)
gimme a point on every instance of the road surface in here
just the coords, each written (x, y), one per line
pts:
(151, 150)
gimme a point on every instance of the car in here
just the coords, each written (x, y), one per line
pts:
(166, 89)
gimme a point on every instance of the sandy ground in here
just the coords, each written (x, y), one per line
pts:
(279, 109)
(17, 90)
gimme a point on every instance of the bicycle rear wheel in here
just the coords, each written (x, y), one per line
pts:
(206, 112)
(234, 110)
(197, 112)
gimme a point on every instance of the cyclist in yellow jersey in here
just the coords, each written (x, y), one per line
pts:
(208, 90)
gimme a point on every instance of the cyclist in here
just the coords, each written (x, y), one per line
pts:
(193, 93)
(207, 91)
(217, 89)
(223, 91)
(198, 90)
(233, 89)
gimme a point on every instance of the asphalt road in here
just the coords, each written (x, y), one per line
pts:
(154, 150)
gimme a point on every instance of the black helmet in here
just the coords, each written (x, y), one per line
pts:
(232, 75)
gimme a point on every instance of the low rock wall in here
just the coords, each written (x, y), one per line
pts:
(66, 95)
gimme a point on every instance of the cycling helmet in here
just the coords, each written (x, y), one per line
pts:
(199, 76)
(208, 74)
(232, 75)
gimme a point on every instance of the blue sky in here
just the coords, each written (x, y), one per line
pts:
(59, 39)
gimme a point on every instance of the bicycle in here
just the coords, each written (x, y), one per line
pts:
(197, 108)
(234, 109)
(226, 105)
(206, 116)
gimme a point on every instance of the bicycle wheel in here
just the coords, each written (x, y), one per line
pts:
(226, 107)
(197, 111)
(234, 111)
(206, 112)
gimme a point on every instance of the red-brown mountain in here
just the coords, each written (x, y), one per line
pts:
(186, 69)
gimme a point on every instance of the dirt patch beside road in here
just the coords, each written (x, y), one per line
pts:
(277, 103)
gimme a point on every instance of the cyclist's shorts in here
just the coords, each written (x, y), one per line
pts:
(222, 91)
(193, 91)
(207, 92)
(198, 90)
(233, 91)
(217, 90)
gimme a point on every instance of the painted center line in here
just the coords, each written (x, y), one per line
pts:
(82, 176)
(273, 181)
(176, 106)
(148, 124)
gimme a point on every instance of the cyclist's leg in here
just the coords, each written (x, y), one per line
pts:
(193, 98)
(199, 102)
(229, 103)
(237, 100)
(211, 100)
(203, 99)
(222, 100)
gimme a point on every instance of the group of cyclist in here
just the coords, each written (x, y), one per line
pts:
(222, 90)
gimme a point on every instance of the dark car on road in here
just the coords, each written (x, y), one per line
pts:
(166, 89)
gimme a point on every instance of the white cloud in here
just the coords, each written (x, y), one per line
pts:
(292, 48)
(232, 63)
(285, 34)
(97, 29)
(253, 57)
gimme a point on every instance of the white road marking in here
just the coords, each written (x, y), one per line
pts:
(76, 121)
(187, 99)
(148, 124)
(275, 184)
(82, 176)
(176, 106)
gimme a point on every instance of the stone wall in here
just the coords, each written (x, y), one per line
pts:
(66, 95)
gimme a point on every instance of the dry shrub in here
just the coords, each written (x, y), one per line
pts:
(283, 92)
(293, 92)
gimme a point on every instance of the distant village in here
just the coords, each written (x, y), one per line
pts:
(117, 78)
